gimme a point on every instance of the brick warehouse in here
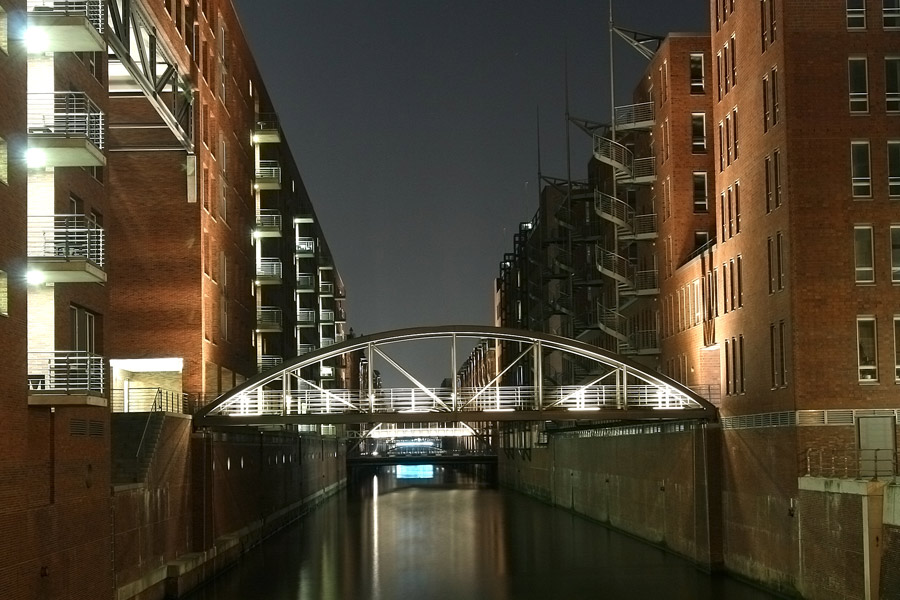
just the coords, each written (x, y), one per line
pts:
(159, 248)
(766, 154)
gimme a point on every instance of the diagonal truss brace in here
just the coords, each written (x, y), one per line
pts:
(412, 379)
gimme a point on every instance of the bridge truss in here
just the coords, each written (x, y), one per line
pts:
(603, 386)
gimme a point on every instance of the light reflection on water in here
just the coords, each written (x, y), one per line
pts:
(453, 535)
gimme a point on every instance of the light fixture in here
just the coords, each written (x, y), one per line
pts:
(36, 40)
(35, 158)
(35, 277)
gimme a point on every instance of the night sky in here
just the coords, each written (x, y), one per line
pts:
(415, 127)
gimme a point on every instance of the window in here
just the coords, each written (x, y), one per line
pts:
(4, 42)
(728, 139)
(698, 132)
(856, 14)
(770, 255)
(892, 83)
(725, 282)
(860, 171)
(721, 148)
(4, 294)
(767, 115)
(734, 131)
(725, 57)
(723, 215)
(772, 22)
(896, 348)
(719, 73)
(737, 207)
(773, 355)
(895, 253)
(768, 168)
(730, 212)
(741, 381)
(733, 51)
(782, 353)
(774, 83)
(701, 239)
(697, 75)
(859, 85)
(763, 24)
(863, 256)
(893, 169)
(701, 194)
(223, 203)
(728, 368)
(4, 162)
(732, 276)
(740, 281)
(776, 177)
(779, 243)
(868, 353)
(891, 13)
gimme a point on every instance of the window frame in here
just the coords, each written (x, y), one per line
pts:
(892, 84)
(860, 184)
(867, 368)
(697, 85)
(890, 15)
(863, 254)
(701, 207)
(854, 14)
(699, 144)
(893, 168)
(895, 253)
(858, 98)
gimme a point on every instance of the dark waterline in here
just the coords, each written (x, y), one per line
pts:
(402, 534)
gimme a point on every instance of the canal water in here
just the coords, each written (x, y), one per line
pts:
(433, 533)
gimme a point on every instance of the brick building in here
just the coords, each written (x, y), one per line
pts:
(773, 170)
(159, 247)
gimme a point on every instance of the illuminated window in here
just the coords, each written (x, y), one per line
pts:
(859, 85)
(860, 170)
(856, 14)
(697, 75)
(863, 256)
(867, 349)
(4, 294)
(701, 195)
(698, 132)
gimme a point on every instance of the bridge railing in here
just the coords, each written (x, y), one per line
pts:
(393, 400)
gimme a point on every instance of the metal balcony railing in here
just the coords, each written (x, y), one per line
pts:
(269, 317)
(306, 281)
(269, 218)
(66, 372)
(66, 236)
(327, 316)
(613, 153)
(643, 225)
(645, 340)
(306, 245)
(615, 265)
(268, 268)
(148, 400)
(646, 281)
(65, 114)
(326, 288)
(305, 317)
(267, 122)
(634, 116)
(269, 170)
(641, 169)
(90, 9)
(327, 342)
(268, 361)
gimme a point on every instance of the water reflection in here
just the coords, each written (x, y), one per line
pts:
(450, 533)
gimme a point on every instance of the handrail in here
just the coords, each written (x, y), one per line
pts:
(65, 114)
(92, 10)
(66, 236)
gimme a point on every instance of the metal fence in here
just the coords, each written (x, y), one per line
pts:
(66, 236)
(66, 372)
(65, 114)
(850, 463)
(90, 9)
(149, 399)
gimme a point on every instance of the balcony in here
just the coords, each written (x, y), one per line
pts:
(65, 249)
(641, 342)
(268, 175)
(340, 315)
(642, 227)
(327, 342)
(305, 349)
(268, 271)
(327, 316)
(306, 247)
(326, 288)
(632, 282)
(634, 117)
(638, 171)
(65, 129)
(269, 319)
(306, 317)
(268, 223)
(267, 130)
(268, 361)
(630, 225)
(65, 26)
(306, 282)
(66, 378)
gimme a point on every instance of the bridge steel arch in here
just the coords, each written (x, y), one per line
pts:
(611, 387)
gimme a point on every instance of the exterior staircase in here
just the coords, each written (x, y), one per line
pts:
(134, 440)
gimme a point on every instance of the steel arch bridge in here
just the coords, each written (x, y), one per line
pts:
(609, 387)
